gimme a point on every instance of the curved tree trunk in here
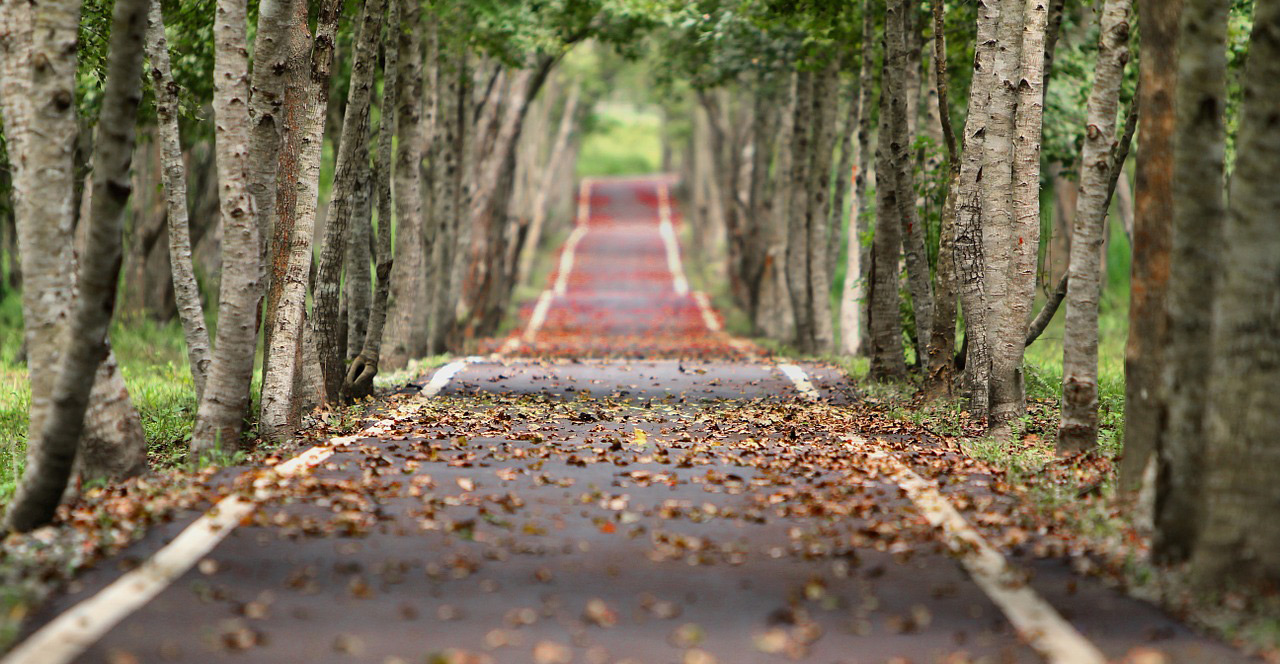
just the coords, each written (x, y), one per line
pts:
(559, 148)
(900, 177)
(186, 289)
(54, 445)
(939, 376)
(1199, 212)
(1079, 428)
(359, 379)
(353, 156)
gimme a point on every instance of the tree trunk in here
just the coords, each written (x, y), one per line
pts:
(266, 101)
(53, 448)
(1078, 430)
(185, 287)
(887, 362)
(406, 334)
(1007, 334)
(1239, 544)
(819, 205)
(798, 279)
(900, 177)
(447, 188)
(837, 227)
(357, 285)
(939, 377)
(559, 148)
(1153, 213)
(1199, 212)
(353, 157)
(359, 379)
(970, 221)
(305, 110)
(998, 217)
(220, 419)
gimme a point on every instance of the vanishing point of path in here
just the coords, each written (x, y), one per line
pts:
(620, 481)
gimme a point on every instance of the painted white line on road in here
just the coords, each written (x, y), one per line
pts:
(1035, 620)
(708, 314)
(67, 637)
(566, 259)
(668, 232)
(801, 381)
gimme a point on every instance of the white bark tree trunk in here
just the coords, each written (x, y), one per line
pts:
(220, 420)
(186, 289)
(1078, 430)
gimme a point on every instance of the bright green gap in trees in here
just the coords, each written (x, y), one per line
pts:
(622, 138)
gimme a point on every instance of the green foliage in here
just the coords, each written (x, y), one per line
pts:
(622, 140)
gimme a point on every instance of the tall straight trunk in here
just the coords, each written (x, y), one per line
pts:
(941, 367)
(185, 287)
(353, 157)
(819, 206)
(1152, 233)
(776, 314)
(447, 167)
(998, 241)
(56, 443)
(1199, 213)
(1239, 545)
(1078, 430)
(266, 102)
(406, 335)
(1008, 332)
(902, 161)
(837, 227)
(798, 280)
(853, 301)
(460, 189)
(357, 284)
(220, 419)
(887, 362)
(359, 379)
(969, 255)
(297, 198)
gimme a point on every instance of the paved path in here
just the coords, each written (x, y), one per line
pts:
(625, 482)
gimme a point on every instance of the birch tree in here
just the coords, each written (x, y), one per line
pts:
(55, 445)
(1199, 213)
(220, 419)
(186, 289)
(1079, 426)
(1239, 543)
(352, 155)
(853, 290)
(359, 379)
(298, 193)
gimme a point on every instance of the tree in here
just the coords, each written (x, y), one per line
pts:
(55, 444)
(298, 191)
(185, 287)
(1078, 430)
(887, 362)
(220, 419)
(851, 323)
(1199, 213)
(1153, 214)
(359, 379)
(1238, 545)
(353, 156)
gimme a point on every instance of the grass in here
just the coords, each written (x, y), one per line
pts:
(622, 139)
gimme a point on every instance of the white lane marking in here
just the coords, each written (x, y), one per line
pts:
(580, 229)
(566, 259)
(538, 318)
(66, 637)
(801, 381)
(668, 232)
(1035, 620)
(708, 315)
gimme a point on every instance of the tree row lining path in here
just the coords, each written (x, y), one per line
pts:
(622, 482)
